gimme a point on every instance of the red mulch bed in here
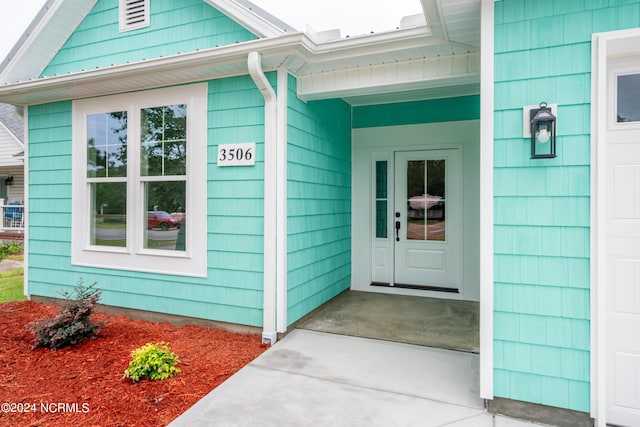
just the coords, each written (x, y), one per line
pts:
(87, 378)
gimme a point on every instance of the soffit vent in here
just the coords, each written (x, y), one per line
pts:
(134, 14)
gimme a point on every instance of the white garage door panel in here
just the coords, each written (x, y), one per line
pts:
(626, 284)
(626, 187)
(627, 377)
(622, 264)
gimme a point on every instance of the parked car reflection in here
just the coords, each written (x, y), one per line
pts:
(162, 220)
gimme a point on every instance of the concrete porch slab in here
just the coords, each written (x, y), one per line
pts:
(318, 379)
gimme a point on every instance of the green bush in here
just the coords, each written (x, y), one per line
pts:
(11, 248)
(72, 324)
(153, 361)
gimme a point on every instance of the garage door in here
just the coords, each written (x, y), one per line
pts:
(622, 261)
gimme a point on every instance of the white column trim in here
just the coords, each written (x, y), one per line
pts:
(25, 212)
(486, 197)
(281, 196)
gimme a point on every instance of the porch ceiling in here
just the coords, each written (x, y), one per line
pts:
(442, 61)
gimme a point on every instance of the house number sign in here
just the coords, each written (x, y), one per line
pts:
(237, 154)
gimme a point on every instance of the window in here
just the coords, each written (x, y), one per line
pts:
(136, 201)
(628, 98)
(381, 199)
(134, 14)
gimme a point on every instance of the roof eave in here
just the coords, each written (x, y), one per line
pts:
(291, 50)
(184, 68)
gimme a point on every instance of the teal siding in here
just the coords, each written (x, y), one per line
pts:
(410, 113)
(541, 334)
(233, 290)
(319, 202)
(176, 27)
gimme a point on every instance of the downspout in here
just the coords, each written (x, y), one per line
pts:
(254, 63)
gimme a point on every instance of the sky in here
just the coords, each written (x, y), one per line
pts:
(355, 17)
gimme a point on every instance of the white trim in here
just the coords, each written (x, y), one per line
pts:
(269, 316)
(246, 18)
(281, 196)
(598, 302)
(191, 262)
(25, 241)
(604, 46)
(486, 198)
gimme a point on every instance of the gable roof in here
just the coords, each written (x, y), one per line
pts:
(430, 56)
(58, 19)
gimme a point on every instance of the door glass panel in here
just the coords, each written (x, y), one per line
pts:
(425, 200)
(628, 98)
(381, 199)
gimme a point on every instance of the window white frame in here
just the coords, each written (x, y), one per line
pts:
(134, 14)
(192, 261)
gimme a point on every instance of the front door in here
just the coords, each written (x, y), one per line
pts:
(622, 246)
(427, 220)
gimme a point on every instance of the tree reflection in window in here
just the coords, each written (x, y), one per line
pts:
(107, 145)
(163, 141)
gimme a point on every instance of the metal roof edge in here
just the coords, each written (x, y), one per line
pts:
(252, 17)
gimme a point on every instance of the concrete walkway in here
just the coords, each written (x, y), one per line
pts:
(318, 379)
(9, 265)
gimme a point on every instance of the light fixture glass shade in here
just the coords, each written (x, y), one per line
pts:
(543, 132)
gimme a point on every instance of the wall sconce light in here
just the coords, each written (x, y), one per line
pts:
(543, 132)
(8, 181)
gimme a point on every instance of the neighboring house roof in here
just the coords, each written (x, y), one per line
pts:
(436, 55)
(12, 120)
(11, 136)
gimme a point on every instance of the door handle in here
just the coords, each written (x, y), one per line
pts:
(397, 231)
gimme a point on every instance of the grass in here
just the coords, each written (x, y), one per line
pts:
(11, 286)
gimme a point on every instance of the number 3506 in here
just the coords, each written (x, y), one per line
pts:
(231, 154)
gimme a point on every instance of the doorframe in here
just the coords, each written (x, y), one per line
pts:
(604, 46)
(374, 141)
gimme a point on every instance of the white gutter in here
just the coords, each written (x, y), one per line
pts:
(254, 62)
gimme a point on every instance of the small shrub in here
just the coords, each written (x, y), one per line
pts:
(8, 249)
(72, 324)
(153, 361)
